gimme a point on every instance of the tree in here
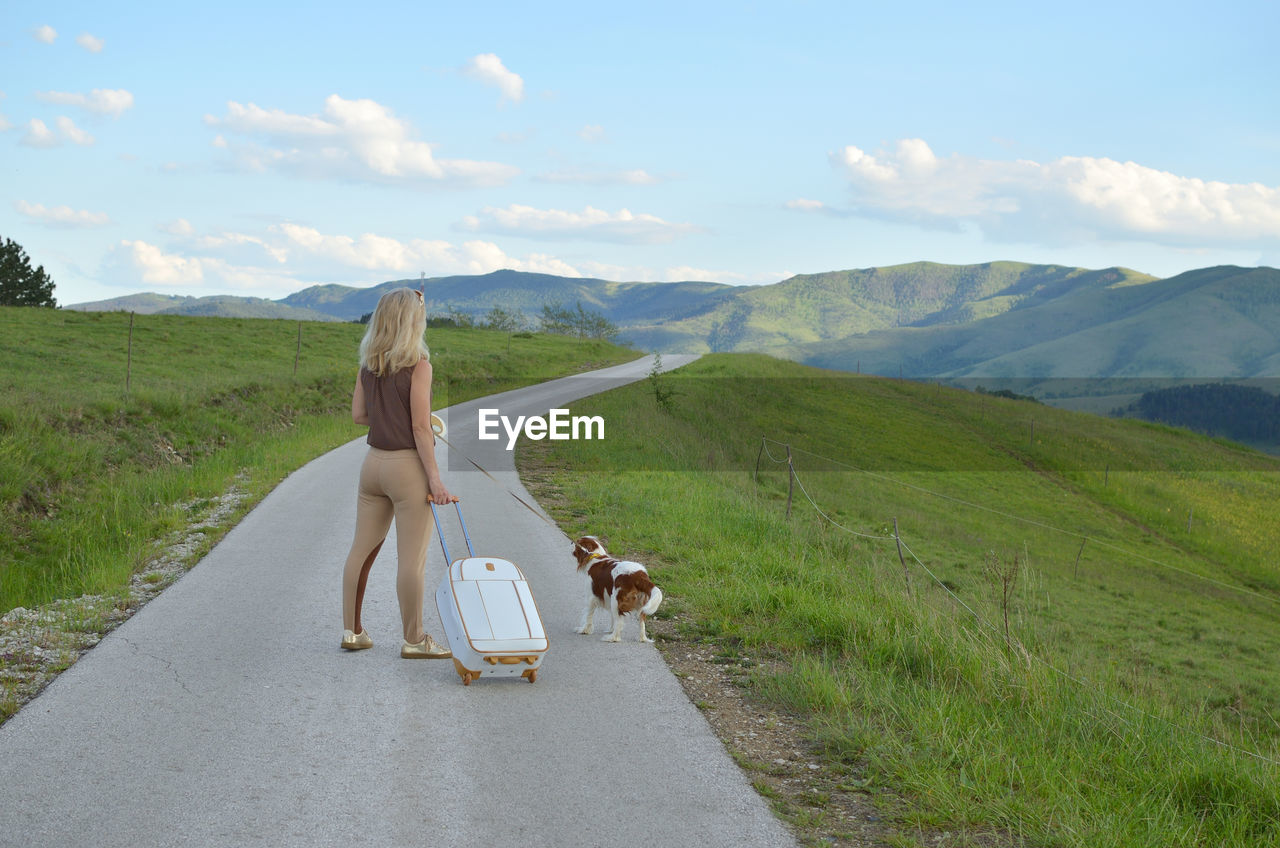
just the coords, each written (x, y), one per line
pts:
(593, 325)
(460, 318)
(557, 319)
(507, 320)
(19, 284)
(577, 322)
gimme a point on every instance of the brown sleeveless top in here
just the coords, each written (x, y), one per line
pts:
(387, 401)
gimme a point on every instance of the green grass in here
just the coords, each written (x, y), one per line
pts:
(1111, 716)
(92, 475)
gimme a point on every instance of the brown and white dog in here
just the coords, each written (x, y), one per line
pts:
(616, 585)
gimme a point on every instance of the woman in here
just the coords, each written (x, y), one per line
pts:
(399, 476)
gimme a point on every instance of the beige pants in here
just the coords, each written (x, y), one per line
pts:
(392, 484)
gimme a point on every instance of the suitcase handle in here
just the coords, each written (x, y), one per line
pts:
(440, 532)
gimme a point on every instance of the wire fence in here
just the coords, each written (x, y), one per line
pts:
(795, 481)
(1083, 537)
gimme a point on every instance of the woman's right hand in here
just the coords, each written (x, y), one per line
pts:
(438, 494)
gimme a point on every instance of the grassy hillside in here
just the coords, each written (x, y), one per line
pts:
(91, 474)
(1134, 699)
(1214, 322)
(812, 307)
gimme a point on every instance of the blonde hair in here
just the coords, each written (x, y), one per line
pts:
(394, 338)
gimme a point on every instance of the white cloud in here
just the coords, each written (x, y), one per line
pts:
(277, 123)
(352, 139)
(73, 133)
(285, 256)
(369, 251)
(806, 205)
(634, 176)
(592, 133)
(100, 101)
(379, 253)
(1070, 199)
(155, 267)
(250, 248)
(180, 227)
(62, 216)
(242, 249)
(160, 268)
(89, 42)
(482, 257)
(488, 68)
(622, 227)
(39, 135)
(5, 126)
(46, 33)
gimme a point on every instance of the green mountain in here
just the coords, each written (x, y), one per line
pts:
(815, 307)
(148, 303)
(995, 320)
(622, 303)
(221, 306)
(1210, 323)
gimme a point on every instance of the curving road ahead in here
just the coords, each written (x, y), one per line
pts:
(224, 713)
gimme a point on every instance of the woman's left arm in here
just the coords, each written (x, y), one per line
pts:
(424, 438)
(359, 410)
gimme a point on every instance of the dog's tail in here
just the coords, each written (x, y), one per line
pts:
(655, 599)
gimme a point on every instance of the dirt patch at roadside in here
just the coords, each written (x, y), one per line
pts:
(36, 645)
(822, 807)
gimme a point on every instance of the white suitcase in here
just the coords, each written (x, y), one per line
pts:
(489, 616)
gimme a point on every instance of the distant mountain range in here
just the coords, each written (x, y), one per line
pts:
(996, 320)
(218, 306)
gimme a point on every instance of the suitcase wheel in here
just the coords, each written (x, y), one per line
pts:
(531, 674)
(465, 673)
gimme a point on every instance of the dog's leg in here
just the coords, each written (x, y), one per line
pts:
(616, 635)
(588, 617)
(643, 636)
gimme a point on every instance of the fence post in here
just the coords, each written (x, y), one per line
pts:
(791, 480)
(906, 575)
(1076, 573)
(298, 354)
(128, 368)
(755, 475)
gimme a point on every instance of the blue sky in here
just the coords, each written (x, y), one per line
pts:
(257, 149)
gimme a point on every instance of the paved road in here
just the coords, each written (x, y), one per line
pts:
(223, 713)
